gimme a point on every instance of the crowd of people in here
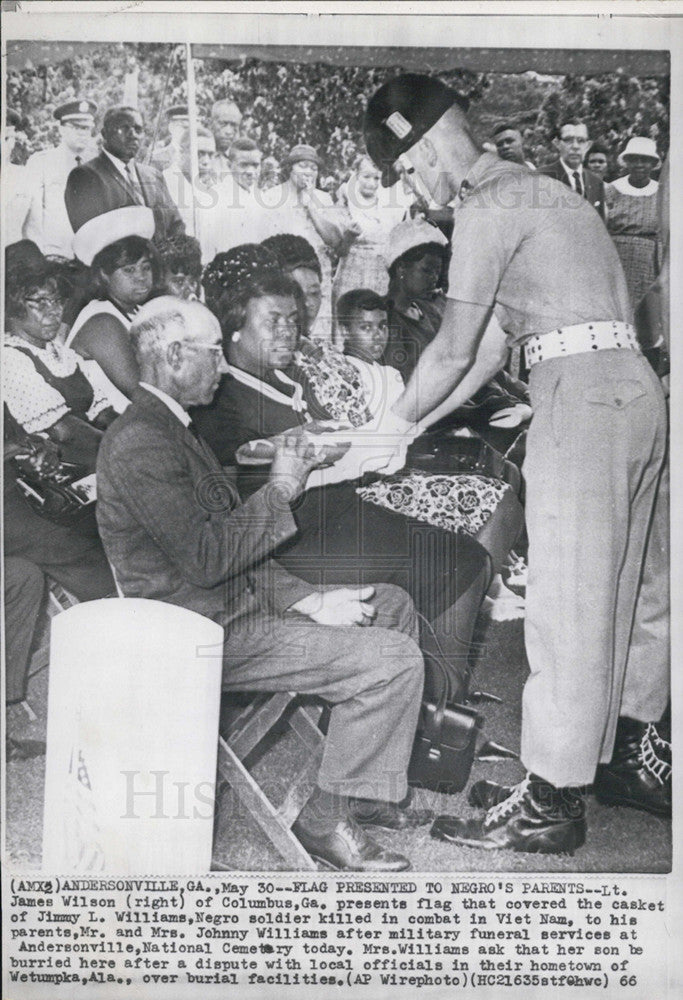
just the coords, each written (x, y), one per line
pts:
(214, 313)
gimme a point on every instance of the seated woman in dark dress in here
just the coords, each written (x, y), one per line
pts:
(341, 538)
(47, 387)
(55, 401)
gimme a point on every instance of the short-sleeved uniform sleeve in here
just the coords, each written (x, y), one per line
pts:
(33, 403)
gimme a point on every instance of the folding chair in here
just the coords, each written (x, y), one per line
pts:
(236, 746)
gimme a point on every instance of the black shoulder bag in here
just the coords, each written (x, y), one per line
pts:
(445, 742)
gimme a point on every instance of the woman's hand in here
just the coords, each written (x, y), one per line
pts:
(78, 441)
(105, 418)
(349, 237)
(43, 456)
(306, 194)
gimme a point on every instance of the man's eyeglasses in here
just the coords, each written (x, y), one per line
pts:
(578, 140)
(215, 349)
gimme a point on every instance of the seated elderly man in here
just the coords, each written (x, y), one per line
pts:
(175, 530)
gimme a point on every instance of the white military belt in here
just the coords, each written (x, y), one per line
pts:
(604, 335)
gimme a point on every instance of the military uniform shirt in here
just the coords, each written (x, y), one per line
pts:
(533, 249)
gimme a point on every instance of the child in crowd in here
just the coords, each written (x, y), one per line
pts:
(362, 319)
(181, 266)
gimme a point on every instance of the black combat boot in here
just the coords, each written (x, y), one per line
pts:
(639, 774)
(535, 818)
(485, 794)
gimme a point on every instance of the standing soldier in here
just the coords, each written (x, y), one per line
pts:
(47, 223)
(535, 254)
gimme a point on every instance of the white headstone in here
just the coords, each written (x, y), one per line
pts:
(133, 705)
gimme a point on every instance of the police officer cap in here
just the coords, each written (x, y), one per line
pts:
(13, 118)
(177, 111)
(400, 112)
(75, 111)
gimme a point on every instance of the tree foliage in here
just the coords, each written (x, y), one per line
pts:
(323, 105)
(615, 107)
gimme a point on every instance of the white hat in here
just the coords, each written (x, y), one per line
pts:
(409, 234)
(640, 145)
(98, 232)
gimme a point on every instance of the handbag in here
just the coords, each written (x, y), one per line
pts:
(66, 497)
(445, 743)
(441, 454)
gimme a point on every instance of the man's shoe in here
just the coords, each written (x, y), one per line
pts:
(348, 848)
(639, 774)
(388, 815)
(536, 818)
(486, 794)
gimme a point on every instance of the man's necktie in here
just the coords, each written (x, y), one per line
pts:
(134, 183)
(578, 186)
(79, 160)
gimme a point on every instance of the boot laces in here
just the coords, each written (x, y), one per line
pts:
(502, 810)
(517, 567)
(649, 754)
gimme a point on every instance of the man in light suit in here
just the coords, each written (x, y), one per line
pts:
(175, 530)
(114, 180)
(571, 142)
(47, 171)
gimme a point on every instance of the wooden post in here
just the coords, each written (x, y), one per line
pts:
(193, 121)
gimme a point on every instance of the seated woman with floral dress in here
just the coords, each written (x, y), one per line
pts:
(341, 537)
(122, 275)
(46, 386)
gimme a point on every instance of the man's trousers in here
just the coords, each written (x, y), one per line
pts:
(594, 459)
(372, 676)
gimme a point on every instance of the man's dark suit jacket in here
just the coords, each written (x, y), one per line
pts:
(97, 186)
(594, 188)
(173, 527)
